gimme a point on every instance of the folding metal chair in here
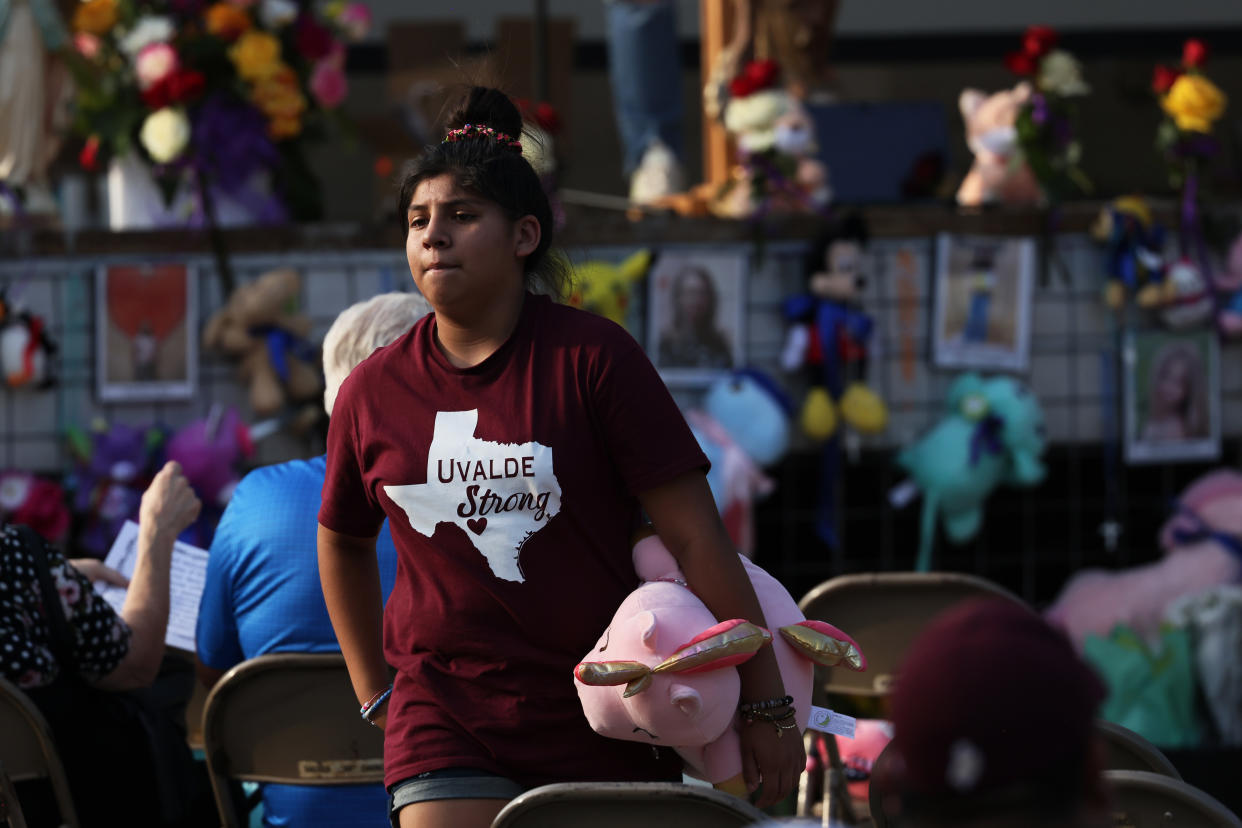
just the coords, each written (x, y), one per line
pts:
(288, 718)
(28, 752)
(883, 612)
(626, 805)
(1143, 799)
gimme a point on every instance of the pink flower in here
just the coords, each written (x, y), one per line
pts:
(155, 62)
(355, 19)
(327, 83)
(86, 44)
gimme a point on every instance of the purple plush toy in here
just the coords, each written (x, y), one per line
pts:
(115, 465)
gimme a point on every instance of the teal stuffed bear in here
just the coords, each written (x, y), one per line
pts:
(993, 433)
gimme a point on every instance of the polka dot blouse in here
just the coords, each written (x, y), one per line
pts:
(102, 638)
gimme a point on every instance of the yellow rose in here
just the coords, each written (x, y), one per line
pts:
(95, 17)
(280, 98)
(227, 22)
(256, 55)
(1194, 102)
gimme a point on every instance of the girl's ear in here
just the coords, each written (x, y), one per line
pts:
(528, 235)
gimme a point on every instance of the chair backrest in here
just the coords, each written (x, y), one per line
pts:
(289, 718)
(27, 750)
(625, 805)
(1142, 799)
(1126, 750)
(883, 612)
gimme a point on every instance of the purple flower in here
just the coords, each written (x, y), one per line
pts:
(231, 143)
(1039, 108)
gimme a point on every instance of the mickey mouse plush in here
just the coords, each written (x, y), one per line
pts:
(828, 338)
(830, 332)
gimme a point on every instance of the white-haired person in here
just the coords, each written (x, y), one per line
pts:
(262, 591)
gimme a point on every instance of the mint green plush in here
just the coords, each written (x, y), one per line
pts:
(954, 484)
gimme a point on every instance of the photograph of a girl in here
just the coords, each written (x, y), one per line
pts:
(696, 312)
(1172, 396)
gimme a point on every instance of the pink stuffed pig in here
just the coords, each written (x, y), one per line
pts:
(1203, 549)
(663, 672)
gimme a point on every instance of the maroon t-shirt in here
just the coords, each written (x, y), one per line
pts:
(510, 491)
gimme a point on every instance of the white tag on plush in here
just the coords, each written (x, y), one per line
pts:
(828, 721)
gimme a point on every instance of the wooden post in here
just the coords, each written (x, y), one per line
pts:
(716, 22)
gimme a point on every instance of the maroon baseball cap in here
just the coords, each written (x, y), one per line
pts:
(989, 697)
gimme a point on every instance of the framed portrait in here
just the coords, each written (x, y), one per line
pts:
(146, 334)
(982, 302)
(696, 313)
(1172, 396)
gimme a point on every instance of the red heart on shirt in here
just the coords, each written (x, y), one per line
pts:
(477, 526)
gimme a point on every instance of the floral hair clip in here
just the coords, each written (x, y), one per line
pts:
(481, 129)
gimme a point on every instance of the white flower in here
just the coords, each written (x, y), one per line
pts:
(1061, 74)
(277, 13)
(148, 30)
(165, 134)
(753, 118)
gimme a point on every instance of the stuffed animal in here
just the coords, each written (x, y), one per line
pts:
(1188, 302)
(26, 350)
(258, 325)
(113, 466)
(743, 425)
(829, 335)
(779, 171)
(992, 433)
(827, 339)
(663, 672)
(1229, 284)
(209, 451)
(605, 288)
(33, 501)
(999, 173)
(1134, 253)
(1202, 545)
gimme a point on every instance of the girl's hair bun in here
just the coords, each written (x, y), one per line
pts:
(485, 106)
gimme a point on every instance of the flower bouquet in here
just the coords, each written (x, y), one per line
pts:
(1045, 123)
(1192, 104)
(216, 99)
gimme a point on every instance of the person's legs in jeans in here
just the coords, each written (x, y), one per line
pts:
(645, 70)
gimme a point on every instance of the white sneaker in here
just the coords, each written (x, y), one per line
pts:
(658, 174)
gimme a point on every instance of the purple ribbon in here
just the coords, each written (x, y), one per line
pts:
(986, 437)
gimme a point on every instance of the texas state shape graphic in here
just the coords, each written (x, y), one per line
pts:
(498, 494)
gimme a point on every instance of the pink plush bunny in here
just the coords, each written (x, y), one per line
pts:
(662, 673)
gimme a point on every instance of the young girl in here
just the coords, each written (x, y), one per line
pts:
(513, 443)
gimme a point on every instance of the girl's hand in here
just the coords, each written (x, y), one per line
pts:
(771, 764)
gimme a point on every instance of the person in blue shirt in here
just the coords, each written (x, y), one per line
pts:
(262, 591)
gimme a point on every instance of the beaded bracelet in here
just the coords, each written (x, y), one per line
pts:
(751, 707)
(374, 703)
(775, 716)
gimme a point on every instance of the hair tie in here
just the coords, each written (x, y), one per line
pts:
(454, 135)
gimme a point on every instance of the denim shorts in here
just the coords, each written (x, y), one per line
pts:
(449, 783)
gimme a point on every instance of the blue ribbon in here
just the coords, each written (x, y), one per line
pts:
(986, 437)
(1202, 532)
(281, 343)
